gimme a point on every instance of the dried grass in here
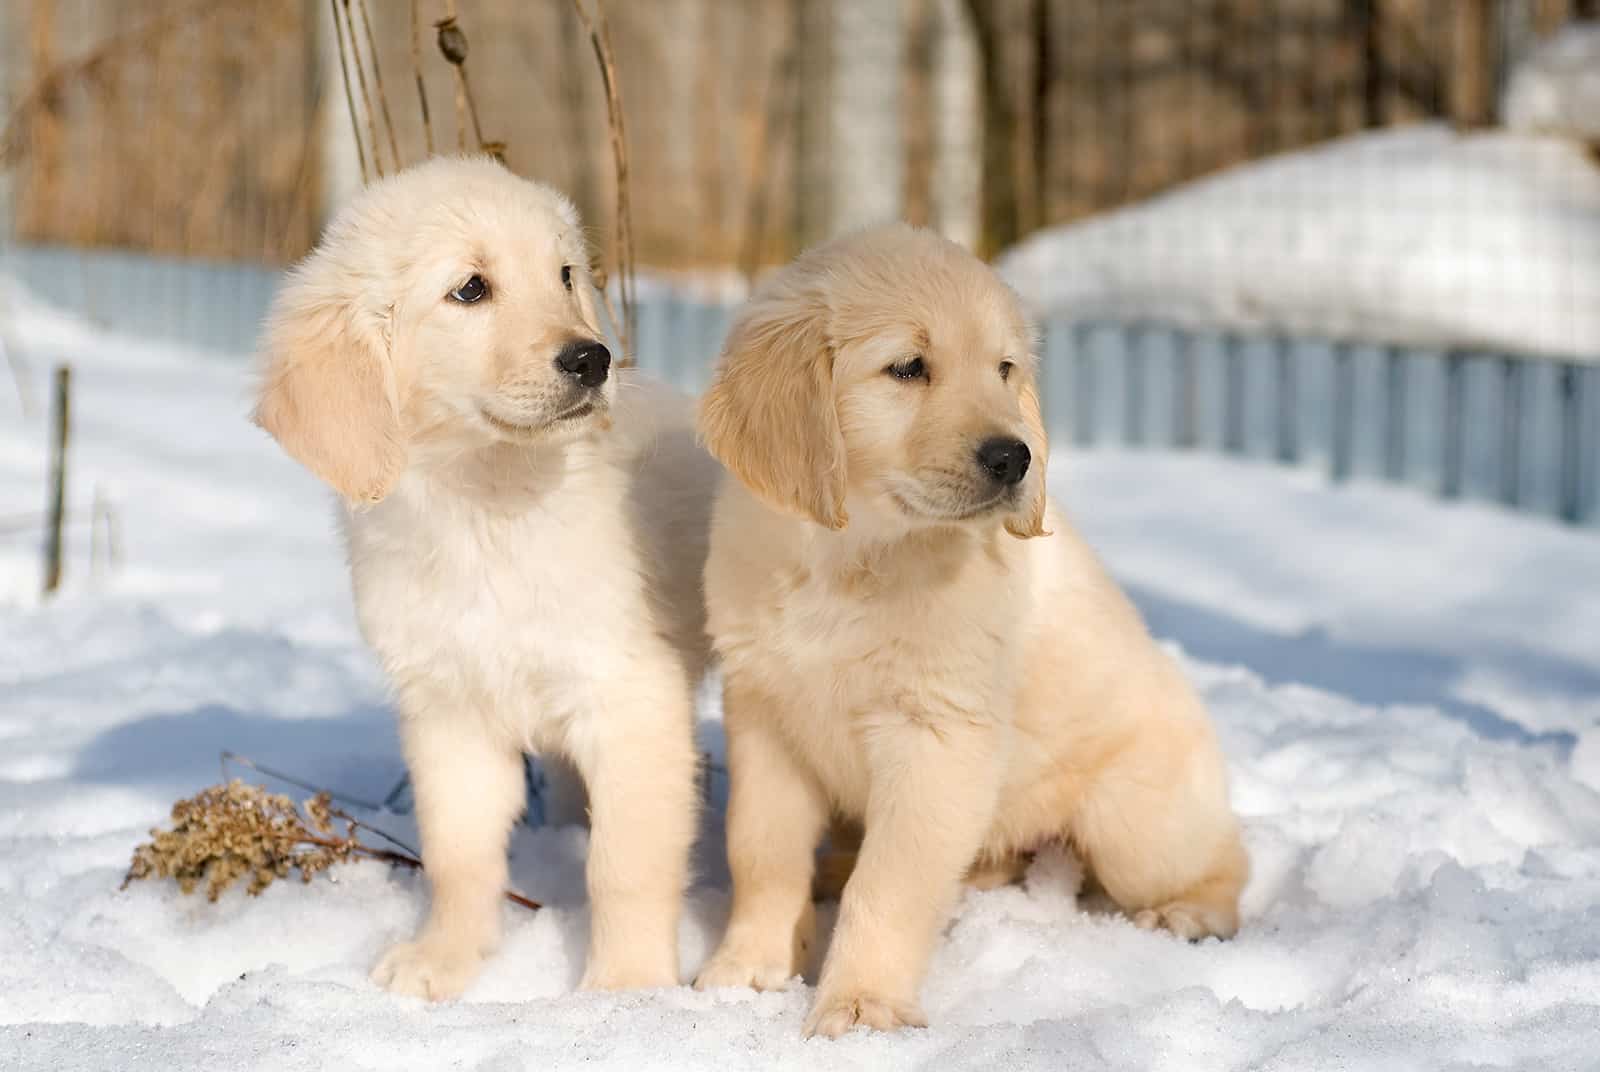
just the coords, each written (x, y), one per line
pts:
(238, 832)
(621, 260)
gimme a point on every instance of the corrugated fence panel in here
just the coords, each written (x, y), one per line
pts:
(1521, 431)
(212, 305)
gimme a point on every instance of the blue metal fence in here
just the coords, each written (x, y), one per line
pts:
(213, 305)
(1514, 429)
(1518, 430)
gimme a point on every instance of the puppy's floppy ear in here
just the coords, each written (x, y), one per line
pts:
(1029, 522)
(769, 414)
(329, 395)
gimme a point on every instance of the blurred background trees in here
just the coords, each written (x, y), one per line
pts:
(220, 128)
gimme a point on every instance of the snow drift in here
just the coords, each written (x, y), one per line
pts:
(1415, 236)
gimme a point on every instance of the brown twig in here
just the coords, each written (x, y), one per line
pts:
(453, 46)
(601, 285)
(472, 107)
(770, 141)
(406, 855)
(61, 425)
(377, 81)
(366, 98)
(226, 757)
(349, 98)
(599, 32)
(416, 70)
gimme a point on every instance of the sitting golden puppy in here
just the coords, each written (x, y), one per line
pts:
(913, 639)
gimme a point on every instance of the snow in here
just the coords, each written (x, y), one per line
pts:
(1556, 87)
(1415, 236)
(1408, 693)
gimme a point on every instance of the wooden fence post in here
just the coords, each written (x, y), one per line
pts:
(1550, 15)
(55, 519)
(1474, 65)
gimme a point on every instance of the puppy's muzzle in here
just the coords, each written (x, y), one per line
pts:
(586, 361)
(1004, 461)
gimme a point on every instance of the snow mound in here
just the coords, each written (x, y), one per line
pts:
(1415, 236)
(1408, 695)
(1556, 88)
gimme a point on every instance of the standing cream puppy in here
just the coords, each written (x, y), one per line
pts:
(913, 639)
(526, 537)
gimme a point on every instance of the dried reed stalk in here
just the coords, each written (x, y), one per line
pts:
(599, 31)
(377, 81)
(416, 71)
(453, 46)
(349, 98)
(782, 91)
(366, 97)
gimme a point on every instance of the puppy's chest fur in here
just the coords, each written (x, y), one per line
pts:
(510, 613)
(889, 642)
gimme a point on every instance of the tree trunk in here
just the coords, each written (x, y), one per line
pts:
(1007, 34)
(1473, 41)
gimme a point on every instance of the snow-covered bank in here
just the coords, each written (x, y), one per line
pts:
(1409, 695)
(1412, 236)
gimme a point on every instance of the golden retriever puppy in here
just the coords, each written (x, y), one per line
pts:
(913, 639)
(526, 535)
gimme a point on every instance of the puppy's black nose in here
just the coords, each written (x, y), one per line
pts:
(587, 362)
(1006, 460)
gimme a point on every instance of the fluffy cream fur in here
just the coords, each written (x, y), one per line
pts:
(525, 552)
(906, 646)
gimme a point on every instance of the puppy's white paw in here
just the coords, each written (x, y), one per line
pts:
(628, 975)
(739, 967)
(833, 1016)
(429, 969)
(1189, 921)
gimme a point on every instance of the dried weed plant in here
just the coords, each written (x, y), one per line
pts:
(239, 832)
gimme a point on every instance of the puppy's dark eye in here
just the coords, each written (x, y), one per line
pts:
(1005, 369)
(473, 290)
(566, 276)
(913, 369)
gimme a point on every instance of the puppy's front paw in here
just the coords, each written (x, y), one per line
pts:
(429, 969)
(833, 1016)
(741, 967)
(636, 974)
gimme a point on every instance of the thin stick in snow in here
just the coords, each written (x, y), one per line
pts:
(61, 420)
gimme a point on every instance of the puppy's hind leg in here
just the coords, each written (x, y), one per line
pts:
(1165, 845)
(469, 790)
(1207, 908)
(838, 863)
